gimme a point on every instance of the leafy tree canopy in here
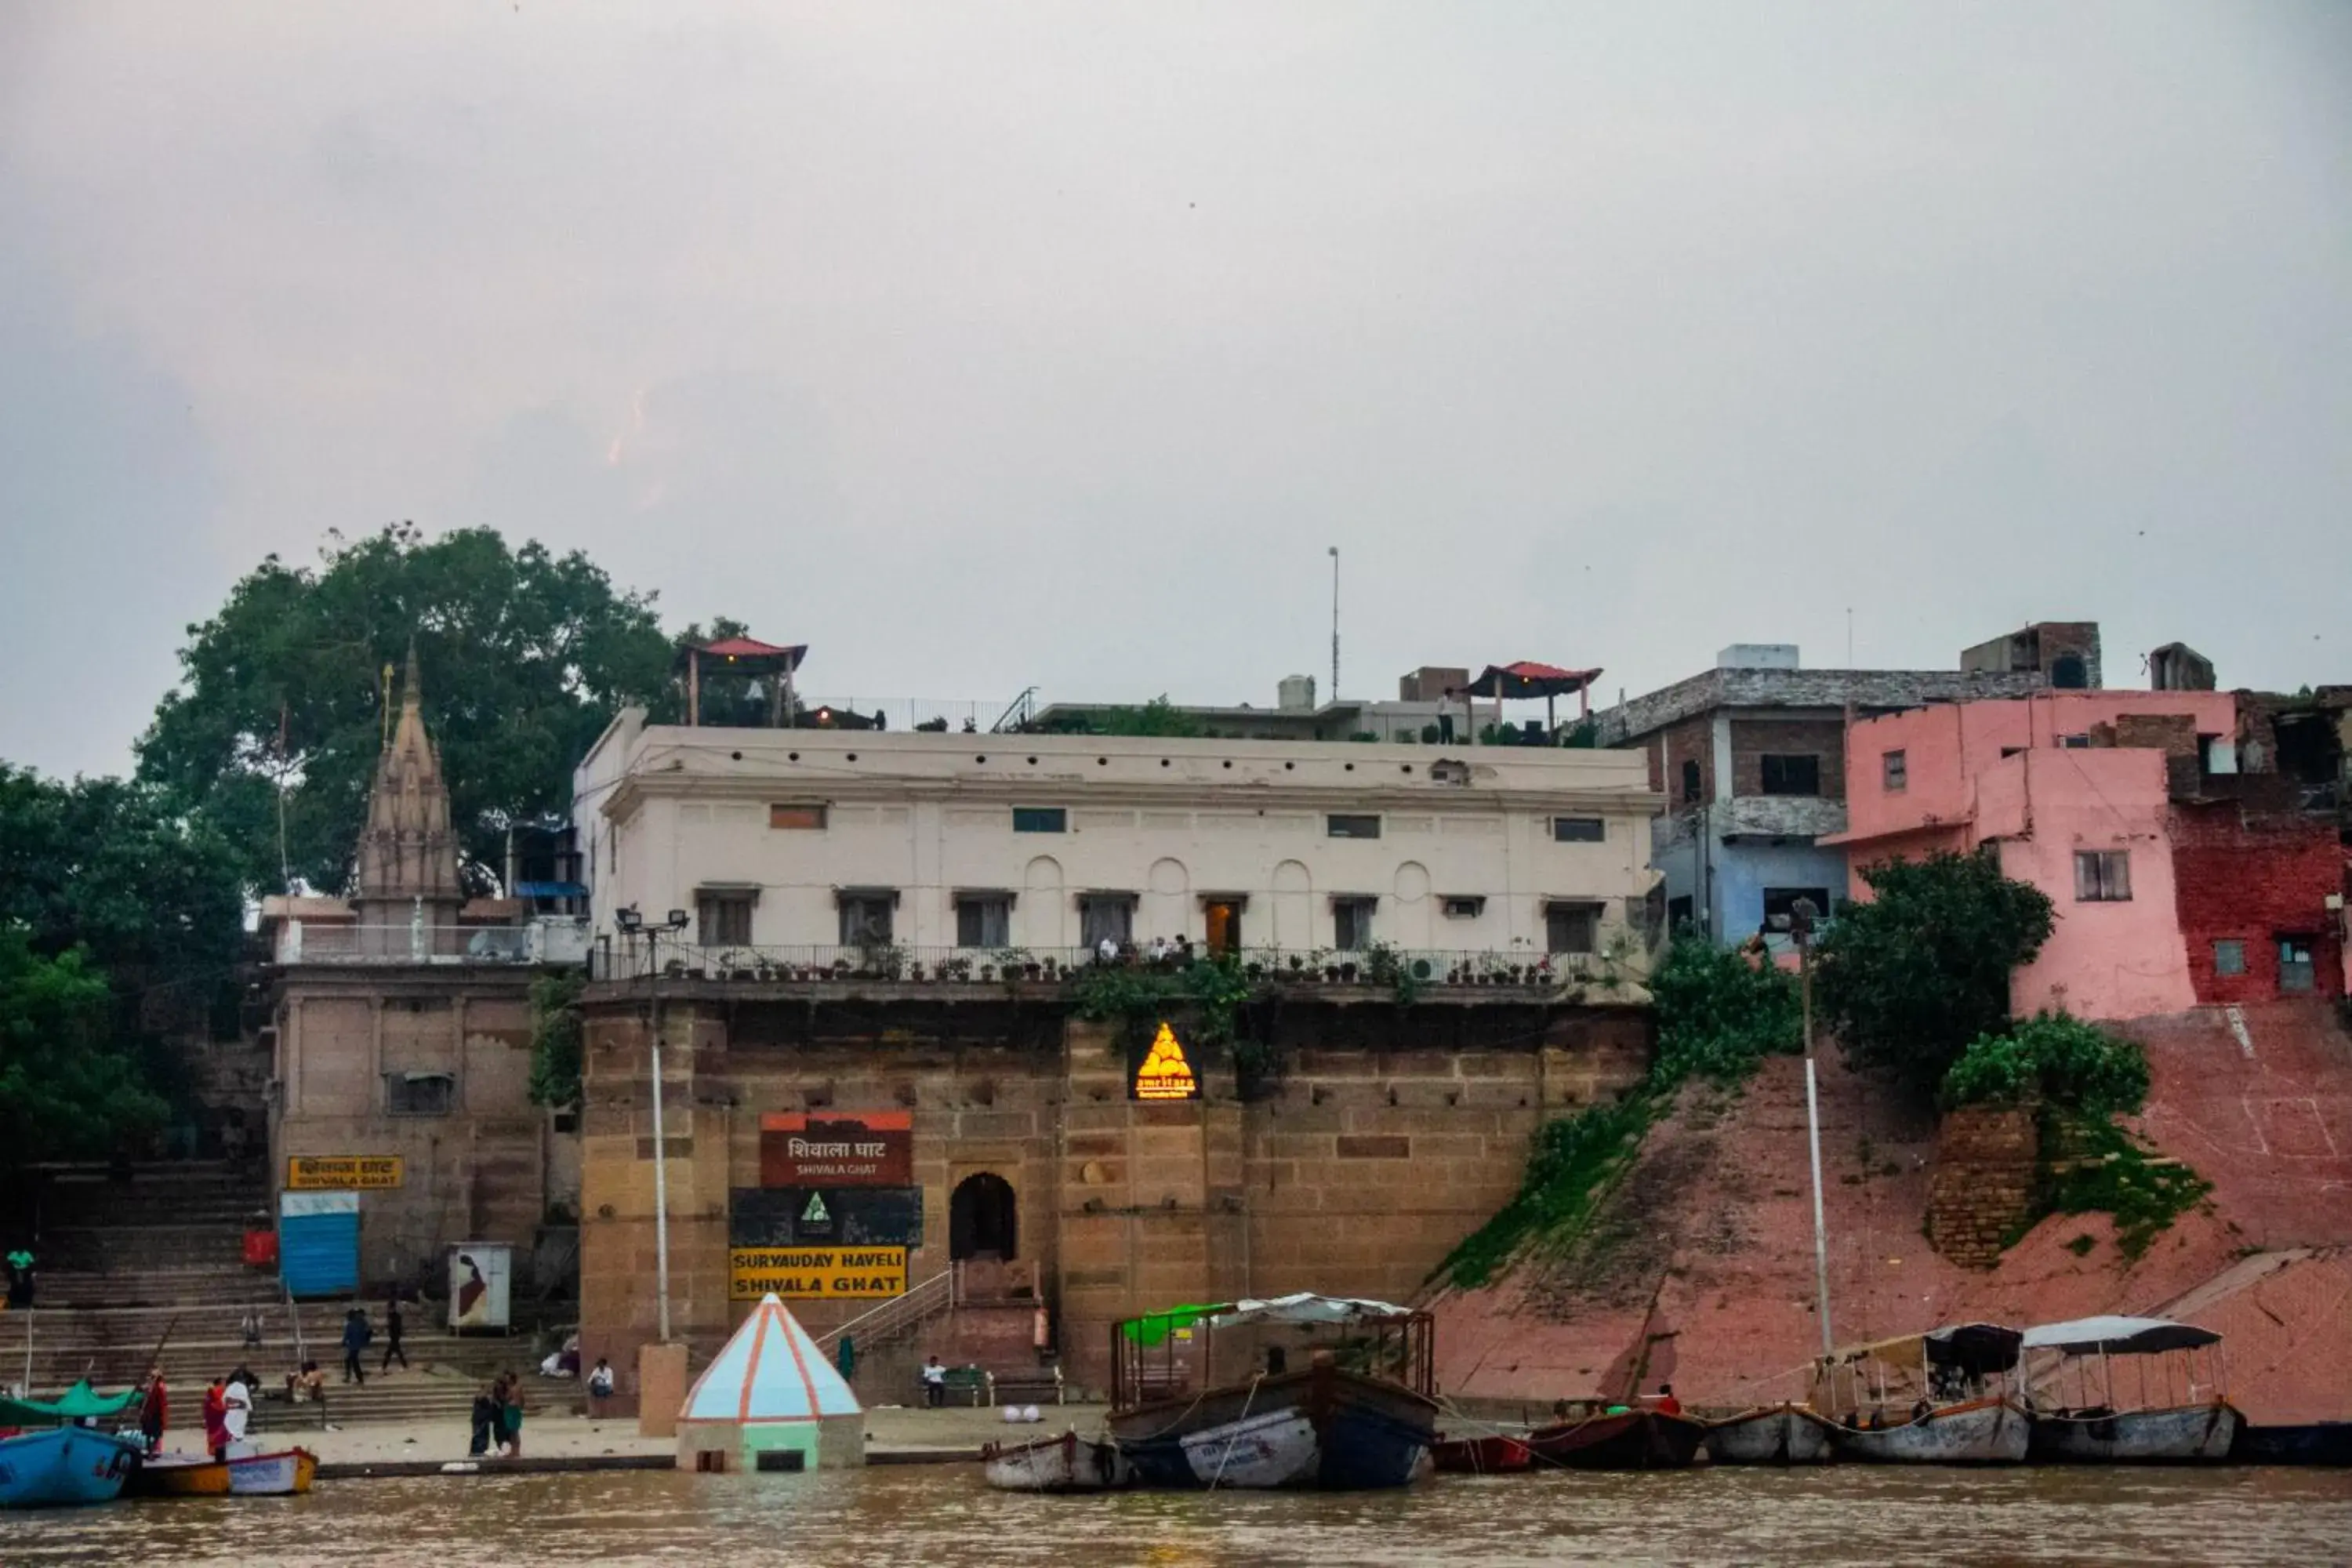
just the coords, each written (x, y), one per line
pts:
(67, 1091)
(1909, 978)
(526, 656)
(117, 866)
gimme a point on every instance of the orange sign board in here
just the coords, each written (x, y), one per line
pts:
(1165, 1074)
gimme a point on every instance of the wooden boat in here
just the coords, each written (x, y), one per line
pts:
(1490, 1456)
(1335, 1426)
(2318, 1443)
(64, 1466)
(1068, 1463)
(1769, 1434)
(1620, 1440)
(1977, 1432)
(1944, 1397)
(286, 1472)
(2108, 1423)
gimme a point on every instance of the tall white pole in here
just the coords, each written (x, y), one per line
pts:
(661, 1146)
(1335, 622)
(1814, 1131)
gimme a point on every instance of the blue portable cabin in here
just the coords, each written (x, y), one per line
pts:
(319, 1243)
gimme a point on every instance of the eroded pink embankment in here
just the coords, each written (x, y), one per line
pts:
(2261, 1105)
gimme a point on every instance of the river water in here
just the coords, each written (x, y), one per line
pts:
(942, 1514)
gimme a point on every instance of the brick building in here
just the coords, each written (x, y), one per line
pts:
(1750, 757)
(2178, 879)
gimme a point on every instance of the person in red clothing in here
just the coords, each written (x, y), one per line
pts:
(154, 1410)
(216, 1419)
(1666, 1404)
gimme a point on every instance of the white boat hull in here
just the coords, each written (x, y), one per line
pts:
(281, 1474)
(2182, 1433)
(1983, 1432)
(1784, 1434)
(1277, 1448)
(1065, 1463)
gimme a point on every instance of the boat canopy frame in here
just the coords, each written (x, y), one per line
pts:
(1149, 1354)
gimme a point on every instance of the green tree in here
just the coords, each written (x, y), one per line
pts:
(556, 1043)
(1158, 717)
(152, 891)
(526, 656)
(1910, 977)
(67, 1091)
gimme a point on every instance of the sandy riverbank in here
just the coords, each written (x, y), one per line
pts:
(571, 1437)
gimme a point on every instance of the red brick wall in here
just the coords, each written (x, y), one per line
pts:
(1822, 738)
(2252, 879)
(1692, 739)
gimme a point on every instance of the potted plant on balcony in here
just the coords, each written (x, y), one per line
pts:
(1347, 972)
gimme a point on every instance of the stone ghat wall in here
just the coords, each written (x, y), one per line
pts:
(1982, 1191)
(1390, 1134)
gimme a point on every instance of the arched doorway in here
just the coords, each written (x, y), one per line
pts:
(984, 1221)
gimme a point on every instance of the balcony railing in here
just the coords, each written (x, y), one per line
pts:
(899, 964)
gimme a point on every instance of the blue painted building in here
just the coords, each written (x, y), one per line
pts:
(1751, 758)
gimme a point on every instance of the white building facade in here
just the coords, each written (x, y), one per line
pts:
(798, 847)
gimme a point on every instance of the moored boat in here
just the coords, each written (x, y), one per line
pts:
(2107, 1421)
(2314, 1443)
(1620, 1440)
(1494, 1454)
(1769, 1434)
(64, 1466)
(1366, 1422)
(1977, 1432)
(284, 1472)
(1943, 1397)
(61, 1459)
(1068, 1463)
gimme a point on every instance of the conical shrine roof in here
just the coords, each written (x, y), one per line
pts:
(770, 1370)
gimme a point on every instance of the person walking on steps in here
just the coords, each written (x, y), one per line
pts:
(357, 1336)
(393, 1325)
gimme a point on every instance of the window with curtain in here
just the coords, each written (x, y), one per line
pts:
(1106, 915)
(984, 923)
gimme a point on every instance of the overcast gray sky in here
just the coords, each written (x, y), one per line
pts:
(985, 346)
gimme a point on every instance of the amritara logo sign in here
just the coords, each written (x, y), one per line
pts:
(1165, 1074)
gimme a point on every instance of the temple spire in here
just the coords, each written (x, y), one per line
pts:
(408, 852)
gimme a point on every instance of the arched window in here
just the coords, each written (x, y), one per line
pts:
(2069, 672)
(982, 1218)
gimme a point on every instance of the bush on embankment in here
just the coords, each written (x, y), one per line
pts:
(1719, 1014)
(2077, 1078)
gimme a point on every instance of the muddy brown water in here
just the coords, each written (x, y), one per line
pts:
(942, 1514)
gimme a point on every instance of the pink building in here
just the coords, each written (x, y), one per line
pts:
(2074, 789)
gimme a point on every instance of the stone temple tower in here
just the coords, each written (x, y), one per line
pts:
(409, 894)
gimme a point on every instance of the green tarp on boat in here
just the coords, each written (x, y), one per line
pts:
(80, 1402)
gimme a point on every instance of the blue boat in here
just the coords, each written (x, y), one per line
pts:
(65, 1467)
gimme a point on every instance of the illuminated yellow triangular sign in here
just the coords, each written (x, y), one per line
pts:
(1165, 1074)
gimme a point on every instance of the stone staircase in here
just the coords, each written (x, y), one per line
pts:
(127, 1265)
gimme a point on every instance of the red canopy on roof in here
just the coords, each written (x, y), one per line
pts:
(753, 647)
(1528, 679)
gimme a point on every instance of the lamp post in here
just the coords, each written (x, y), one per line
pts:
(630, 925)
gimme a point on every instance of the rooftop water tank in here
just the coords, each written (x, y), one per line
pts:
(1296, 694)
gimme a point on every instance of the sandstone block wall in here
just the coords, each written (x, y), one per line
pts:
(1390, 1134)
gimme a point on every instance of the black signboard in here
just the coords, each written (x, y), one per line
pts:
(826, 1216)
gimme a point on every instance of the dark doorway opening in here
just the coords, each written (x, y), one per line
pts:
(984, 1221)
